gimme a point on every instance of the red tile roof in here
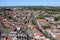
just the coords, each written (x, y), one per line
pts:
(58, 35)
(33, 27)
(9, 38)
(38, 34)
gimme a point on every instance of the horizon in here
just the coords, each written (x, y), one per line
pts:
(29, 3)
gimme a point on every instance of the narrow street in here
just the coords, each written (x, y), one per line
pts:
(37, 27)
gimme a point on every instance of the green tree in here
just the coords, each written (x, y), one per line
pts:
(33, 22)
(57, 18)
(40, 17)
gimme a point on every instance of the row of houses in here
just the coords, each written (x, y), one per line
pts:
(14, 36)
(54, 33)
(54, 28)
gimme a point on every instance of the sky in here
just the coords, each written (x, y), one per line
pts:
(29, 2)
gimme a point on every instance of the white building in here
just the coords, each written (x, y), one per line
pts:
(50, 18)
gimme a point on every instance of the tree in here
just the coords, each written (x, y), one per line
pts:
(10, 17)
(33, 22)
(40, 17)
(46, 27)
(57, 18)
